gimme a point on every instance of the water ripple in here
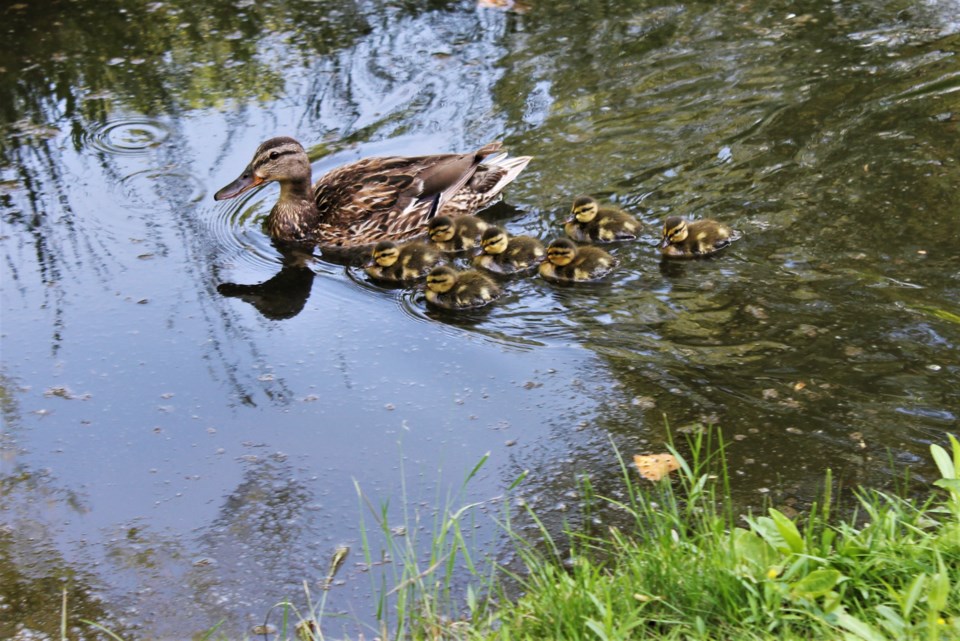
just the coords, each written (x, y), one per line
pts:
(149, 189)
(236, 226)
(129, 136)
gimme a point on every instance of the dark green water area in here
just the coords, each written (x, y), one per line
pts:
(173, 456)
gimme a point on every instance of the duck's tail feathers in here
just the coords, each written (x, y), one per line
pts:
(501, 170)
(514, 166)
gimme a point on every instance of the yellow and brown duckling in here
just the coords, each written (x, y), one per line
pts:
(567, 262)
(456, 234)
(372, 199)
(402, 263)
(452, 289)
(507, 254)
(589, 222)
(682, 239)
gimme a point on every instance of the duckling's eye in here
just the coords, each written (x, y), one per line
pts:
(274, 154)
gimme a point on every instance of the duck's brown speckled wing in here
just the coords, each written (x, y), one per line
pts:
(390, 197)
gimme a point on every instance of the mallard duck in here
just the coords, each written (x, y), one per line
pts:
(450, 289)
(373, 199)
(567, 262)
(507, 254)
(589, 222)
(402, 263)
(455, 234)
(682, 239)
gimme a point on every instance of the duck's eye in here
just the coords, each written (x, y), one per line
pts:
(274, 155)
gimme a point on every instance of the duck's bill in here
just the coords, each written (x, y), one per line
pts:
(247, 181)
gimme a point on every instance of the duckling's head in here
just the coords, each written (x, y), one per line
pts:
(494, 240)
(441, 279)
(584, 209)
(282, 159)
(385, 253)
(674, 231)
(440, 229)
(561, 252)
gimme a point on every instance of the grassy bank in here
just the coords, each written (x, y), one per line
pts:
(690, 568)
(687, 567)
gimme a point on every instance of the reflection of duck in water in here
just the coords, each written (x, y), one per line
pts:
(402, 263)
(373, 199)
(507, 254)
(566, 262)
(682, 239)
(589, 222)
(450, 289)
(456, 234)
(282, 296)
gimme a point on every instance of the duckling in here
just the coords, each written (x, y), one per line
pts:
(591, 223)
(402, 263)
(455, 234)
(506, 254)
(682, 239)
(450, 289)
(567, 262)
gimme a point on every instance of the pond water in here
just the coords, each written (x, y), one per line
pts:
(174, 456)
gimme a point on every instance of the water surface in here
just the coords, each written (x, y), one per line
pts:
(175, 456)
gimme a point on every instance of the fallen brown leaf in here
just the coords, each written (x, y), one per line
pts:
(654, 467)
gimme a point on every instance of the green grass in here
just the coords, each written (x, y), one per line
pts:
(689, 570)
(418, 599)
